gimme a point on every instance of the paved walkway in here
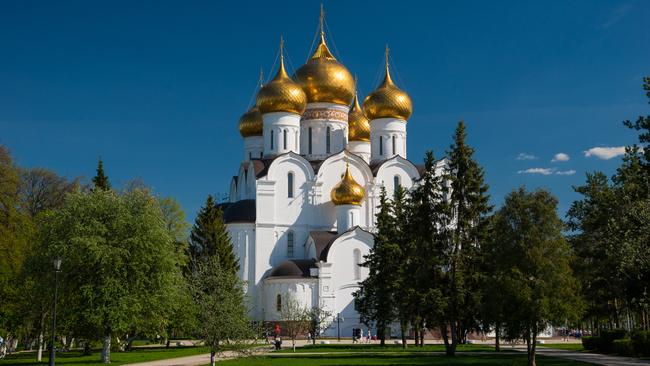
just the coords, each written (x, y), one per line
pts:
(594, 358)
(196, 360)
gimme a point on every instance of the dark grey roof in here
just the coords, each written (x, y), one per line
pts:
(293, 268)
(238, 212)
(323, 241)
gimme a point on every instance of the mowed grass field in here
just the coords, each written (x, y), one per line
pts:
(333, 359)
(371, 348)
(75, 358)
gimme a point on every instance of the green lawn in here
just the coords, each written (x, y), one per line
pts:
(397, 359)
(286, 344)
(117, 358)
(565, 346)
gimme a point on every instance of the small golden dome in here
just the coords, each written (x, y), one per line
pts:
(388, 101)
(281, 94)
(347, 191)
(324, 79)
(358, 124)
(250, 123)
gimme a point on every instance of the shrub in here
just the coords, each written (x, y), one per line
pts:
(590, 343)
(607, 338)
(623, 347)
(641, 342)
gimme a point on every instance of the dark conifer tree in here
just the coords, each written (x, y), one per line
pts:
(375, 300)
(101, 180)
(428, 214)
(469, 202)
(210, 238)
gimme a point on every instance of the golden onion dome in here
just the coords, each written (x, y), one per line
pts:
(347, 191)
(324, 79)
(388, 101)
(281, 94)
(250, 123)
(358, 124)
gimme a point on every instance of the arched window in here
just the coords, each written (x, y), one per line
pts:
(328, 141)
(290, 185)
(250, 155)
(381, 145)
(261, 154)
(271, 139)
(396, 183)
(278, 303)
(351, 219)
(394, 146)
(290, 244)
(284, 139)
(357, 264)
(309, 137)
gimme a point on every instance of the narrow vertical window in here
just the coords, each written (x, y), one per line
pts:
(328, 141)
(250, 155)
(278, 303)
(271, 139)
(261, 154)
(357, 264)
(309, 140)
(290, 185)
(290, 244)
(396, 183)
(351, 219)
(381, 145)
(284, 139)
(394, 146)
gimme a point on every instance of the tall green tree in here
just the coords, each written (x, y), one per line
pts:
(16, 230)
(428, 217)
(222, 314)
(101, 180)
(376, 297)
(209, 238)
(469, 202)
(533, 259)
(119, 268)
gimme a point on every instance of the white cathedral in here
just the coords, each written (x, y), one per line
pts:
(302, 207)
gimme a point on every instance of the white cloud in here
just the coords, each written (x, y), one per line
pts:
(524, 156)
(560, 157)
(605, 153)
(542, 171)
(547, 171)
(566, 172)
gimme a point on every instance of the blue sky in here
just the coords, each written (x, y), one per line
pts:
(156, 88)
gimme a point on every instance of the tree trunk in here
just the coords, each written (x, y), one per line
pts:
(422, 337)
(497, 334)
(403, 330)
(212, 358)
(451, 350)
(106, 347)
(445, 336)
(531, 356)
(39, 352)
(168, 342)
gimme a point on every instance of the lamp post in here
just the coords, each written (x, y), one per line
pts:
(338, 326)
(57, 269)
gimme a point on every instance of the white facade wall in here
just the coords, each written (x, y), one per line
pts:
(388, 138)
(281, 133)
(253, 147)
(321, 119)
(361, 148)
(303, 290)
